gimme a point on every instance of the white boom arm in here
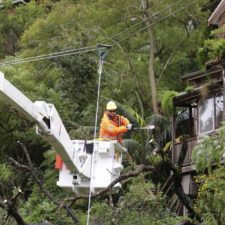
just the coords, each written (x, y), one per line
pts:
(75, 172)
(43, 115)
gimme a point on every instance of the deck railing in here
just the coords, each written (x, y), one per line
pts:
(177, 150)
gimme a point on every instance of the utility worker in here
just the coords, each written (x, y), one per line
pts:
(113, 126)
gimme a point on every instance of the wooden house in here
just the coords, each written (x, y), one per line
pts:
(204, 108)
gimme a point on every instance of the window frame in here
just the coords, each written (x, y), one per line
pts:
(213, 97)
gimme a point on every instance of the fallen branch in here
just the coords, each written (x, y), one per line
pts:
(139, 169)
(123, 177)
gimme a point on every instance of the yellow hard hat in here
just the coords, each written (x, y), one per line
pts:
(111, 105)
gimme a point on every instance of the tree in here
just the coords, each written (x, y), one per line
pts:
(210, 201)
(13, 22)
(207, 155)
(210, 150)
(152, 79)
(142, 203)
(124, 79)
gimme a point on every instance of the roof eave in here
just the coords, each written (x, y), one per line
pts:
(213, 19)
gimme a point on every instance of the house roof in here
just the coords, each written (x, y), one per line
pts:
(212, 77)
(189, 99)
(201, 74)
(211, 71)
(218, 12)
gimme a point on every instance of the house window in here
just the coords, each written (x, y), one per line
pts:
(210, 114)
(206, 116)
(219, 110)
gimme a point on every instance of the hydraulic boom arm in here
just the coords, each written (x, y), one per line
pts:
(45, 116)
(76, 171)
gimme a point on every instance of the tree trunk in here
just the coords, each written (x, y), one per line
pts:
(151, 74)
(14, 213)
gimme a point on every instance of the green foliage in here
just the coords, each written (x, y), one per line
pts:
(13, 23)
(135, 118)
(135, 149)
(209, 150)
(210, 203)
(167, 101)
(162, 132)
(38, 209)
(83, 133)
(70, 83)
(189, 89)
(137, 121)
(35, 209)
(143, 204)
(3, 215)
(214, 48)
(5, 172)
(78, 85)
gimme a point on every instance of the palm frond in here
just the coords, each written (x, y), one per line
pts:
(140, 104)
(135, 149)
(131, 114)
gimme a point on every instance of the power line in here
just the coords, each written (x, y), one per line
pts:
(94, 48)
(77, 51)
(51, 55)
(153, 15)
(81, 50)
(160, 20)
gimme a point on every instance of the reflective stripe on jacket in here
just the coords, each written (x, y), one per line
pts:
(113, 128)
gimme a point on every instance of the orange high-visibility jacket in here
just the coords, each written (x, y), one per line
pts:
(113, 128)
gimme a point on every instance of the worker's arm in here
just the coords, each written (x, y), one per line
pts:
(112, 129)
(124, 121)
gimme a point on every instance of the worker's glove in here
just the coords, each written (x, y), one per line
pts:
(129, 126)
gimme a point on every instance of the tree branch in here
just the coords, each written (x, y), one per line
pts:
(170, 58)
(11, 209)
(127, 58)
(123, 177)
(29, 168)
(178, 188)
(139, 169)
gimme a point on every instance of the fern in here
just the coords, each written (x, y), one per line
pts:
(167, 102)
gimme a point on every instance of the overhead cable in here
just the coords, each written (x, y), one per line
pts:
(49, 56)
(152, 24)
(94, 48)
(151, 16)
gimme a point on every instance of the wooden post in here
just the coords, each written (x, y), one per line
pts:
(173, 132)
(223, 76)
(190, 122)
